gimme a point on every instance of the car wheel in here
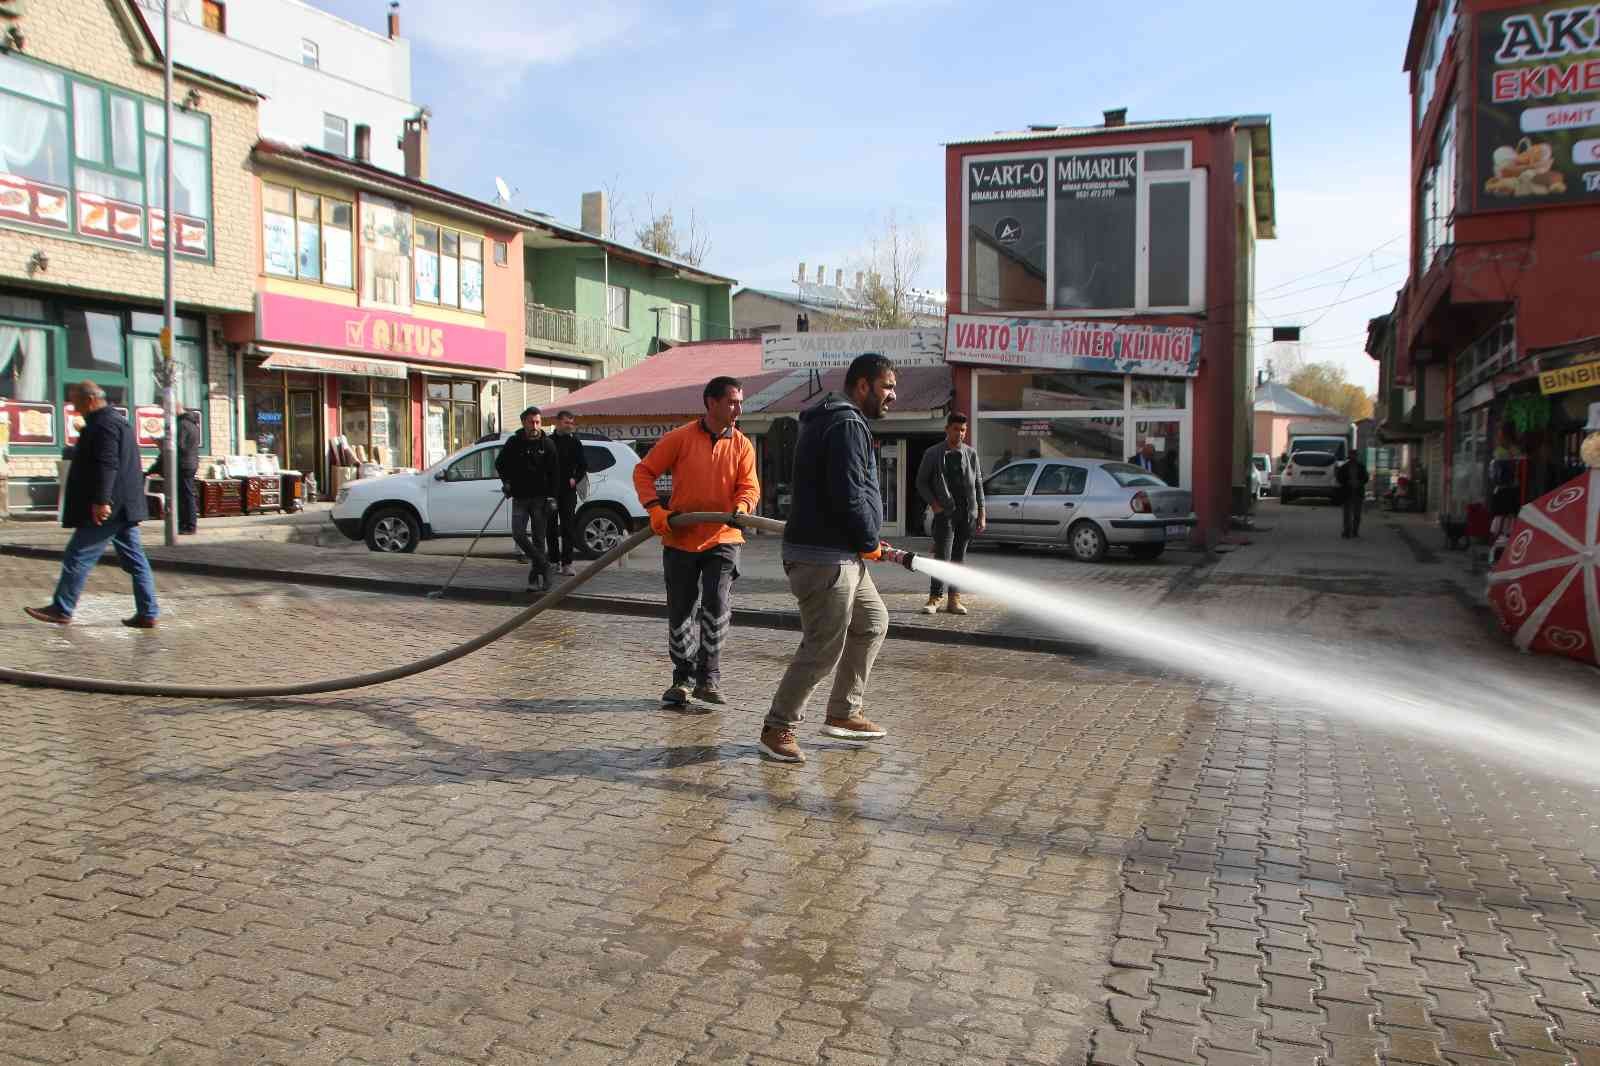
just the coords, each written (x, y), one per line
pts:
(393, 529)
(599, 530)
(1146, 551)
(1088, 544)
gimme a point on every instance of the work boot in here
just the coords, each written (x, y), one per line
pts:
(780, 745)
(677, 694)
(708, 692)
(932, 606)
(853, 729)
(954, 604)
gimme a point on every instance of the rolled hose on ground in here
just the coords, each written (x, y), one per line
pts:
(171, 689)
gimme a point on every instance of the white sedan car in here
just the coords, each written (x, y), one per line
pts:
(1085, 505)
(455, 497)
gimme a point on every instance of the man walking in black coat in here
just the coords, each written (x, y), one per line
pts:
(574, 468)
(530, 473)
(103, 502)
(188, 468)
(1352, 478)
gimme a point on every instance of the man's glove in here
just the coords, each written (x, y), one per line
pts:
(658, 521)
(876, 553)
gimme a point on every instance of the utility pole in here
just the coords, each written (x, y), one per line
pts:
(169, 439)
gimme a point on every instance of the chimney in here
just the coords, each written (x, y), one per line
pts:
(1117, 117)
(838, 279)
(363, 143)
(859, 278)
(394, 19)
(801, 277)
(595, 214)
(821, 272)
(414, 145)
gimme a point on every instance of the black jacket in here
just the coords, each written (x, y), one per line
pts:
(529, 466)
(106, 468)
(573, 465)
(837, 506)
(188, 448)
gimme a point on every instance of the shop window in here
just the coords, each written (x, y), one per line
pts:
(94, 341)
(1050, 392)
(1007, 233)
(338, 249)
(386, 242)
(449, 268)
(277, 230)
(145, 354)
(33, 136)
(27, 374)
(427, 267)
(305, 236)
(502, 253)
(1169, 393)
(308, 236)
(191, 167)
(452, 418)
(617, 306)
(336, 134)
(374, 414)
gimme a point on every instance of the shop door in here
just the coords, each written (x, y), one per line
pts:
(891, 467)
(304, 437)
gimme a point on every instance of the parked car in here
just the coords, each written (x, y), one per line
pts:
(1085, 505)
(1261, 474)
(1309, 474)
(455, 497)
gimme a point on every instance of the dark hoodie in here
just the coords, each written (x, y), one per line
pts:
(188, 448)
(837, 507)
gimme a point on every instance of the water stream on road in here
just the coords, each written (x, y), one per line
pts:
(1478, 707)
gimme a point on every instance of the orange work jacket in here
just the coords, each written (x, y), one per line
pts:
(708, 474)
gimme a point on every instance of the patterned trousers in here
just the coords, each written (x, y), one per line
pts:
(699, 609)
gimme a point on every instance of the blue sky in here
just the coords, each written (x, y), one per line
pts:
(791, 130)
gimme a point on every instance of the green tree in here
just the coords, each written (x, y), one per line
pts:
(1326, 384)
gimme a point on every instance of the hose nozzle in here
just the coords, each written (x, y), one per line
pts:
(898, 555)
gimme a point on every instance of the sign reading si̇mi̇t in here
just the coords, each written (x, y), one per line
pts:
(291, 320)
(826, 351)
(1538, 108)
(1074, 344)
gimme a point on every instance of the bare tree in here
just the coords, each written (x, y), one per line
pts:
(614, 202)
(660, 233)
(893, 260)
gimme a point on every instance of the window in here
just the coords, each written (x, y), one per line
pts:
(214, 15)
(1062, 481)
(617, 306)
(305, 236)
(27, 373)
(597, 458)
(33, 142)
(1012, 481)
(386, 238)
(1436, 195)
(1008, 233)
(427, 265)
(145, 353)
(678, 322)
(502, 253)
(372, 414)
(471, 273)
(449, 268)
(477, 466)
(94, 341)
(336, 134)
(1440, 29)
(310, 54)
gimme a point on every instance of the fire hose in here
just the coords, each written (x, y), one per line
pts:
(172, 689)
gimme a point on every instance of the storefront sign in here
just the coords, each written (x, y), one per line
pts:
(31, 201)
(1074, 344)
(1538, 129)
(634, 430)
(292, 320)
(30, 423)
(1034, 429)
(1569, 378)
(826, 351)
(149, 424)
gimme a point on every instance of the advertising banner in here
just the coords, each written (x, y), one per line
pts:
(1008, 219)
(1570, 378)
(29, 423)
(1074, 344)
(826, 351)
(1538, 107)
(292, 320)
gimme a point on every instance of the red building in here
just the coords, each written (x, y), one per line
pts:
(1495, 343)
(1100, 281)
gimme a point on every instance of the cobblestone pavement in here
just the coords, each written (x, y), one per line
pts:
(522, 858)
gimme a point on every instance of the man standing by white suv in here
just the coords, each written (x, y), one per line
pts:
(530, 473)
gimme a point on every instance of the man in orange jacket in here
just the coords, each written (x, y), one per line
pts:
(713, 468)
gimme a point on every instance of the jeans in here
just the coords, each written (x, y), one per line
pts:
(84, 549)
(564, 528)
(842, 625)
(951, 535)
(699, 609)
(529, 519)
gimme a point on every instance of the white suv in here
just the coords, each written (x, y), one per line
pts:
(455, 497)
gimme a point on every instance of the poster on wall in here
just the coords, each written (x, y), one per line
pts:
(29, 423)
(435, 439)
(278, 236)
(149, 424)
(192, 233)
(826, 351)
(1007, 218)
(30, 201)
(1097, 197)
(74, 421)
(1538, 106)
(1073, 344)
(385, 253)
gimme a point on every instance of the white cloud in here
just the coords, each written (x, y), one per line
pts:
(504, 38)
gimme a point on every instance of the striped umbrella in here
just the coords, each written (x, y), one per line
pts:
(1545, 588)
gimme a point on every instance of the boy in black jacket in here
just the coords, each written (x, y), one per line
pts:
(574, 468)
(530, 473)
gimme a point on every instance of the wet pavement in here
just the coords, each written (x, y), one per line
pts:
(521, 857)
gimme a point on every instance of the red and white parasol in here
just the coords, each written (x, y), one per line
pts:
(1545, 588)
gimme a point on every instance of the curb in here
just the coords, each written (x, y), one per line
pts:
(748, 616)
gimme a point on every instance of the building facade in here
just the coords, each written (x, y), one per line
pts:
(387, 315)
(1493, 349)
(322, 77)
(820, 307)
(1100, 284)
(82, 232)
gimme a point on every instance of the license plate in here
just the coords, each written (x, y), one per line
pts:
(1177, 532)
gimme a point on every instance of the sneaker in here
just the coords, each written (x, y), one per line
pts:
(932, 606)
(853, 729)
(140, 621)
(677, 695)
(48, 614)
(567, 571)
(709, 694)
(780, 745)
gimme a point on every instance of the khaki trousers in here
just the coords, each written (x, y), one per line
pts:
(842, 625)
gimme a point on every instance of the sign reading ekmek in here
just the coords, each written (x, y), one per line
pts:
(291, 320)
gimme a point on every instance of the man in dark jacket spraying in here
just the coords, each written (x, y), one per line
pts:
(188, 468)
(103, 502)
(949, 479)
(832, 530)
(530, 473)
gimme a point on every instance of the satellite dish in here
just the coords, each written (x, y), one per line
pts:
(503, 189)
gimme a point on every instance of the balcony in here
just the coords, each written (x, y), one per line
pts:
(561, 332)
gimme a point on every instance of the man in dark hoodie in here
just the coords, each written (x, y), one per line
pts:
(530, 473)
(188, 468)
(832, 530)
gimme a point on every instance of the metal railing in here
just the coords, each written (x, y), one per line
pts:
(568, 332)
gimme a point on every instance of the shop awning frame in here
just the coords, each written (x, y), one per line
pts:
(359, 366)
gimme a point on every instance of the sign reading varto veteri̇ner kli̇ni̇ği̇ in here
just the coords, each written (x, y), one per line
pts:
(1538, 113)
(1074, 344)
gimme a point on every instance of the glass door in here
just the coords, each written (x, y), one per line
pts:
(890, 455)
(305, 451)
